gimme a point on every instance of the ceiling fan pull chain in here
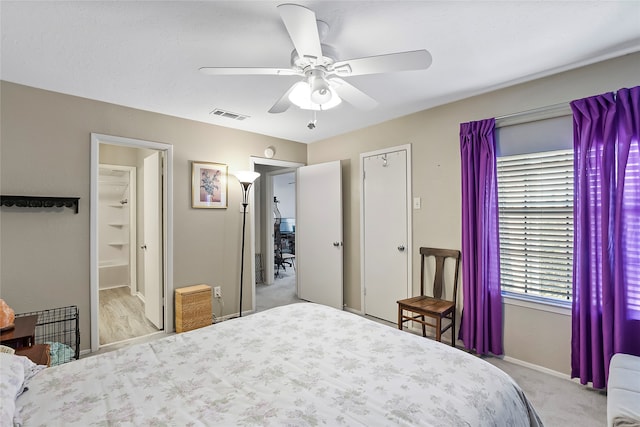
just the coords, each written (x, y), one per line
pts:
(312, 123)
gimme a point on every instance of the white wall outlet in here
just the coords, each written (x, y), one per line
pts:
(416, 203)
(217, 292)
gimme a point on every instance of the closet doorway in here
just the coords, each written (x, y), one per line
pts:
(120, 305)
(129, 240)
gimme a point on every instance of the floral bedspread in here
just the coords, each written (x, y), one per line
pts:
(297, 365)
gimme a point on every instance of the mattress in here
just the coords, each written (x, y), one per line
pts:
(300, 365)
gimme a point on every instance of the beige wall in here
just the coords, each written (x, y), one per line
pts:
(45, 150)
(534, 336)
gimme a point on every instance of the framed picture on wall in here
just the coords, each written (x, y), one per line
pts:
(208, 185)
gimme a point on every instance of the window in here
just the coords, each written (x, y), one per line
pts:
(535, 204)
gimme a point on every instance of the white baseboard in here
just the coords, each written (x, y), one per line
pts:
(534, 367)
(353, 310)
(140, 296)
(122, 285)
(232, 316)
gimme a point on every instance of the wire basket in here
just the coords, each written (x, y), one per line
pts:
(58, 326)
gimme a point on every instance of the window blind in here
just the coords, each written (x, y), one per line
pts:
(535, 198)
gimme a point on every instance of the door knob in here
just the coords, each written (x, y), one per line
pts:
(336, 244)
(401, 248)
(143, 247)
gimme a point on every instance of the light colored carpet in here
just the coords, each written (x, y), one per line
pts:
(281, 292)
(558, 401)
(122, 316)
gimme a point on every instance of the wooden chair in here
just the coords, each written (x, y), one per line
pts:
(434, 307)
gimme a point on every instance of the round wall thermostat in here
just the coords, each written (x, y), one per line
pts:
(269, 152)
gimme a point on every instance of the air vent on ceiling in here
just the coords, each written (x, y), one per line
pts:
(228, 114)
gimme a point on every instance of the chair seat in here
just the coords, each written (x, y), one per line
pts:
(427, 305)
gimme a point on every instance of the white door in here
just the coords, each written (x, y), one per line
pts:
(152, 241)
(386, 245)
(319, 234)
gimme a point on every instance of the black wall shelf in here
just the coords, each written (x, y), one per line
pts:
(40, 202)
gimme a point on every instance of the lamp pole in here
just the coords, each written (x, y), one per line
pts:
(245, 190)
(245, 179)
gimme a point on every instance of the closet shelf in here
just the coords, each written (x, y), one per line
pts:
(40, 202)
(118, 263)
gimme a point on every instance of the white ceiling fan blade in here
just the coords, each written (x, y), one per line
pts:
(352, 95)
(401, 61)
(232, 71)
(283, 103)
(303, 29)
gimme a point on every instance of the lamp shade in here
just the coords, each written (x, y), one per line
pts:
(301, 96)
(320, 91)
(246, 177)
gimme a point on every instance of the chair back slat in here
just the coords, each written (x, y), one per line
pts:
(440, 256)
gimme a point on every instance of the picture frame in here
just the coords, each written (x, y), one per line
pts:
(209, 185)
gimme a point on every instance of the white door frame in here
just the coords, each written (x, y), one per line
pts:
(167, 183)
(406, 147)
(269, 162)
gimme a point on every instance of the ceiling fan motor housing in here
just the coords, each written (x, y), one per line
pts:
(306, 62)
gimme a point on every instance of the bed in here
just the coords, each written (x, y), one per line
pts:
(298, 365)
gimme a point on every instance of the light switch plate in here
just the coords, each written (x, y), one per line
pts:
(416, 203)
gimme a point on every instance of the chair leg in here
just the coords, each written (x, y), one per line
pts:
(453, 329)
(424, 329)
(439, 329)
(399, 317)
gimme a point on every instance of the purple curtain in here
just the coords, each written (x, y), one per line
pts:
(606, 294)
(626, 234)
(481, 323)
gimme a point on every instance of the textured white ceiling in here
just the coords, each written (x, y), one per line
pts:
(146, 54)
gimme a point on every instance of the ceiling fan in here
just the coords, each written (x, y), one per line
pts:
(323, 86)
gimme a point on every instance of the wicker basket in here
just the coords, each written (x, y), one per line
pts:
(193, 308)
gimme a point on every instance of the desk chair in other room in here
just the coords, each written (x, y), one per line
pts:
(435, 308)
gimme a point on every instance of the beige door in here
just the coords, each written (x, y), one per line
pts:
(386, 247)
(319, 248)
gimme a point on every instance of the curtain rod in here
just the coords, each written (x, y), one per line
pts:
(542, 113)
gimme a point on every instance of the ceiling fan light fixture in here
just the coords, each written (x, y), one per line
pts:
(320, 91)
(301, 96)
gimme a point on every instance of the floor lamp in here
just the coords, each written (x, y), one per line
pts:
(246, 178)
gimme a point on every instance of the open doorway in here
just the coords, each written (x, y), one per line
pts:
(274, 234)
(130, 230)
(121, 303)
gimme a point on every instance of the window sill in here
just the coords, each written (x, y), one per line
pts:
(549, 306)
